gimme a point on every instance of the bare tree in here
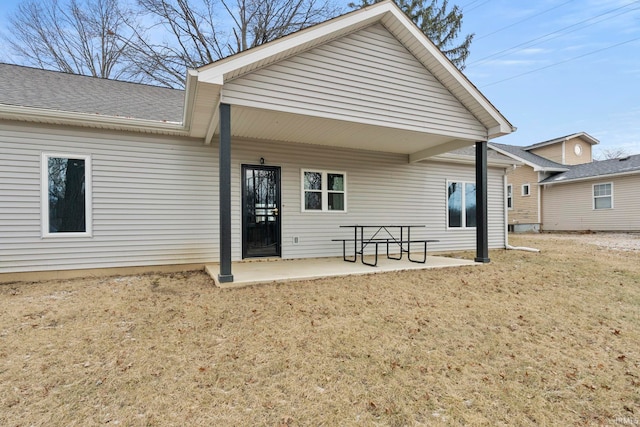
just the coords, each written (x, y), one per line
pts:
(74, 37)
(612, 153)
(200, 32)
(151, 41)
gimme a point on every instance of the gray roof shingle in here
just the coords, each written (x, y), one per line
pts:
(53, 90)
(521, 153)
(597, 168)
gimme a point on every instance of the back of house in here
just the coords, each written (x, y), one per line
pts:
(264, 154)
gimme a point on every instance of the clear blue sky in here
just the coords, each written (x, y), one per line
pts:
(556, 67)
(552, 67)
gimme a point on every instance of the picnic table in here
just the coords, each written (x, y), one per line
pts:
(391, 235)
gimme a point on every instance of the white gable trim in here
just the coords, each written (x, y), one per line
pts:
(398, 24)
(289, 45)
(583, 135)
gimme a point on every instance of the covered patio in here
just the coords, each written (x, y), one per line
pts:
(368, 81)
(256, 272)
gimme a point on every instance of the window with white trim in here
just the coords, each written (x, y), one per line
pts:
(324, 191)
(461, 204)
(603, 196)
(66, 195)
(526, 189)
(509, 196)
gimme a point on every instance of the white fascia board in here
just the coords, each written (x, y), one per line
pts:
(190, 98)
(215, 72)
(589, 138)
(213, 121)
(40, 115)
(593, 178)
(503, 126)
(459, 158)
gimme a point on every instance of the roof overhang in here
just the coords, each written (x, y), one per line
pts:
(71, 118)
(205, 90)
(257, 123)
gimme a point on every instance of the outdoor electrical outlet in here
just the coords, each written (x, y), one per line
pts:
(296, 240)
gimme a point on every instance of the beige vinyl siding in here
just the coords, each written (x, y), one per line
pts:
(570, 156)
(525, 208)
(381, 189)
(357, 78)
(552, 152)
(578, 214)
(154, 200)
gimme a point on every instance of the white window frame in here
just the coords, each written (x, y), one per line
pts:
(594, 197)
(324, 191)
(463, 206)
(44, 195)
(528, 192)
(510, 196)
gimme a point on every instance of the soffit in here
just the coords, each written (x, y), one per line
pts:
(257, 124)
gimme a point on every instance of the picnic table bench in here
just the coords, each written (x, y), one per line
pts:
(385, 235)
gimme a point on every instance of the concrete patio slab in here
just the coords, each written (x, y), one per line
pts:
(255, 272)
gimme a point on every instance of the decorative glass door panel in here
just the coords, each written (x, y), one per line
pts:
(260, 211)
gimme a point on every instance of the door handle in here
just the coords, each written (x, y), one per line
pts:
(275, 212)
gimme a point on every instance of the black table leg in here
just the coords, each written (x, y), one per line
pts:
(424, 257)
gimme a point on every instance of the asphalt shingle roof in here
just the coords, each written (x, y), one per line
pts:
(529, 157)
(598, 168)
(52, 90)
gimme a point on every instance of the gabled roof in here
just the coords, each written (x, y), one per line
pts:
(58, 98)
(52, 90)
(398, 24)
(583, 135)
(538, 163)
(598, 169)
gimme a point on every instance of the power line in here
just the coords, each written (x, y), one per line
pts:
(476, 6)
(558, 33)
(522, 20)
(469, 4)
(562, 62)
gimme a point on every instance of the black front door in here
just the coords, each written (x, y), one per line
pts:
(260, 211)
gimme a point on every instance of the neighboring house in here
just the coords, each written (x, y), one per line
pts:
(266, 153)
(539, 161)
(559, 187)
(598, 196)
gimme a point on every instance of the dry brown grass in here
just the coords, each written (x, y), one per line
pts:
(530, 339)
